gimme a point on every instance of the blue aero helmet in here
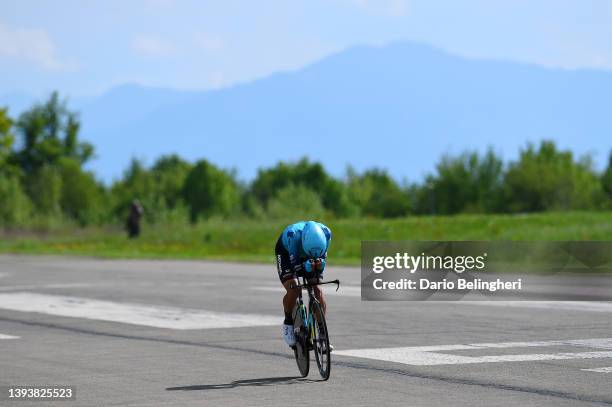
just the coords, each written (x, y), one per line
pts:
(314, 241)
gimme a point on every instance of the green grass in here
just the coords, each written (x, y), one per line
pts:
(254, 240)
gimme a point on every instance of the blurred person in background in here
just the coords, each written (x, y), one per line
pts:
(133, 221)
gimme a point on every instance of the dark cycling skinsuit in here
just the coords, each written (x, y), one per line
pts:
(289, 253)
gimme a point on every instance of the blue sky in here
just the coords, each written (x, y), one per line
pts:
(86, 47)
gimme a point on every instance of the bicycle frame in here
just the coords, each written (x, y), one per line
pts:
(307, 318)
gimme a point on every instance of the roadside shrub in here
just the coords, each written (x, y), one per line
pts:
(15, 206)
(377, 194)
(466, 183)
(548, 179)
(44, 188)
(606, 182)
(81, 196)
(312, 176)
(295, 202)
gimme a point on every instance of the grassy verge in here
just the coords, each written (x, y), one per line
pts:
(254, 240)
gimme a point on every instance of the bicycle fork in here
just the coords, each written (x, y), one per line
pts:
(311, 325)
(307, 327)
(301, 311)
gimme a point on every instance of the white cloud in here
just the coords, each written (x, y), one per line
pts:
(152, 46)
(217, 80)
(390, 8)
(32, 45)
(209, 42)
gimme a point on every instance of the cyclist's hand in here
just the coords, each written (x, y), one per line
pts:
(317, 265)
(309, 265)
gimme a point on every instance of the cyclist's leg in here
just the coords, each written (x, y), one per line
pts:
(318, 292)
(287, 277)
(291, 295)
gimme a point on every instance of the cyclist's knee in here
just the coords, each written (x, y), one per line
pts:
(318, 292)
(289, 286)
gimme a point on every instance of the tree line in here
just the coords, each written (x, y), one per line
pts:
(43, 180)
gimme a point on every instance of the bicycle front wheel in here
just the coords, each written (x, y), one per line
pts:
(301, 351)
(320, 340)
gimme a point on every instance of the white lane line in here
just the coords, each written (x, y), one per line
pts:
(168, 283)
(270, 289)
(431, 356)
(3, 336)
(348, 291)
(587, 306)
(42, 286)
(135, 314)
(599, 370)
(106, 284)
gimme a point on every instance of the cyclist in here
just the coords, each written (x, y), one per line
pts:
(300, 250)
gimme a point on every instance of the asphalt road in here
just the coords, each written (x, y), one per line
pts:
(157, 333)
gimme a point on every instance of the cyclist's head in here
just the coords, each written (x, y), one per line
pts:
(314, 241)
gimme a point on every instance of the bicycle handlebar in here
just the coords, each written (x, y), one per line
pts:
(306, 285)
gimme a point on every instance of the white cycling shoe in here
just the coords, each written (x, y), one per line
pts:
(288, 335)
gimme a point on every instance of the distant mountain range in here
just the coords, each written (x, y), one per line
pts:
(398, 107)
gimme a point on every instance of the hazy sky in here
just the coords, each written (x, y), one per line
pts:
(84, 47)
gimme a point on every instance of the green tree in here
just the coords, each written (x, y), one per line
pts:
(15, 206)
(45, 190)
(7, 139)
(82, 196)
(377, 194)
(548, 179)
(295, 202)
(466, 183)
(48, 132)
(303, 173)
(159, 189)
(50, 156)
(169, 173)
(136, 183)
(606, 181)
(210, 191)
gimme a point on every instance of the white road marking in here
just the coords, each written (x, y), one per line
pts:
(348, 291)
(588, 306)
(167, 284)
(42, 286)
(599, 370)
(270, 289)
(105, 284)
(3, 336)
(431, 356)
(135, 314)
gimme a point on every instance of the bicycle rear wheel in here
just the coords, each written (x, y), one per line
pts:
(321, 340)
(301, 351)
